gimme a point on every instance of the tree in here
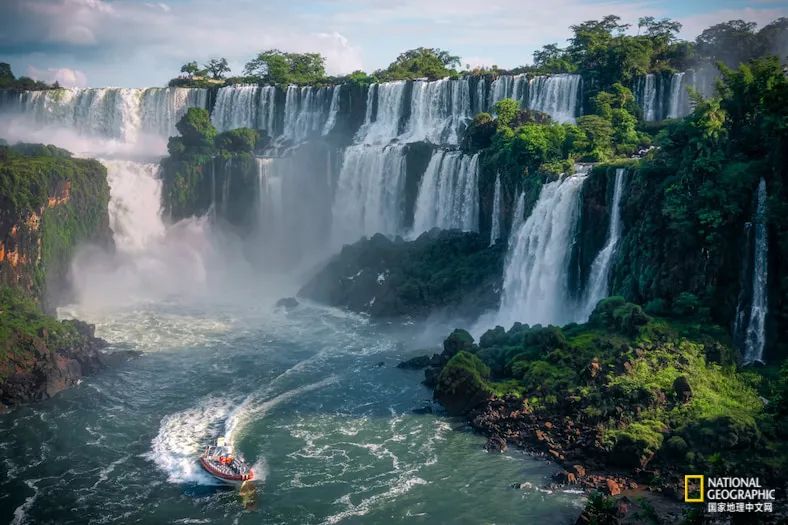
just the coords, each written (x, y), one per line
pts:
(506, 111)
(664, 29)
(217, 67)
(197, 131)
(278, 67)
(6, 75)
(190, 68)
(422, 62)
(731, 42)
(552, 59)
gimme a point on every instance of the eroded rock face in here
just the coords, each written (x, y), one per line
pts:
(38, 367)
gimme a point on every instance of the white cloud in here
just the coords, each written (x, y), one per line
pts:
(66, 77)
(132, 43)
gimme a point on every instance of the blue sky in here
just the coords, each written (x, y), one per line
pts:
(135, 43)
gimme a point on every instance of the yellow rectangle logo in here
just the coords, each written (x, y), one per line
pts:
(699, 479)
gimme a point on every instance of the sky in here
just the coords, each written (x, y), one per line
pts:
(138, 43)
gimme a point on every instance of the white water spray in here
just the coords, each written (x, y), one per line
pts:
(535, 288)
(598, 280)
(495, 220)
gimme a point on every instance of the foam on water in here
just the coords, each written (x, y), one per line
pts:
(182, 436)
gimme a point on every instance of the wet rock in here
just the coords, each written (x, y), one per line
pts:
(682, 389)
(495, 444)
(613, 488)
(288, 303)
(578, 470)
(525, 485)
(563, 477)
(415, 363)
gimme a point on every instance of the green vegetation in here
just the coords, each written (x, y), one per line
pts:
(202, 160)
(687, 201)
(649, 388)
(389, 278)
(9, 81)
(22, 321)
(605, 54)
(422, 62)
(279, 67)
(52, 198)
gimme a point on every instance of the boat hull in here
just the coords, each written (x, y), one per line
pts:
(229, 480)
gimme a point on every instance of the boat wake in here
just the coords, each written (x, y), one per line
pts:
(182, 436)
(256, 406)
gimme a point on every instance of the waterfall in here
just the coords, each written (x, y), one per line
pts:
(369, 192)
(647, 96)
(517, 216)
(556, 95)
(448, 195)
(113, 113)
(755, 335)
(597, 286)
(235, 107)
(495, 220)
(439, 111)
(307, 111)
(676, 102)
(384, 110)
(270, 207)
(135, 204)
(152, 260)
(535, 287)
(332, 111)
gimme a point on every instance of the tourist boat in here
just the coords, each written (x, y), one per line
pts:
(220, 462)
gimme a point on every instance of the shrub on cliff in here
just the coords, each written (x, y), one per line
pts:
(197, 131)
(237, 140)
(422, 62)
(462, 383)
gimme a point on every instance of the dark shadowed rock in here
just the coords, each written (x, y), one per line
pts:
(288, 303)
(415, 363)
(682, 389)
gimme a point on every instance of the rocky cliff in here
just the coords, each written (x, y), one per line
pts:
(449, 271)
(50, 203)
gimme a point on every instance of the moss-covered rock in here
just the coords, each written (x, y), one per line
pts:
(462, 384)
(632, 392)
(441, 271)
(49, 204)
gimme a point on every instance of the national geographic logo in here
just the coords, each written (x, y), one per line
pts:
(728, 494)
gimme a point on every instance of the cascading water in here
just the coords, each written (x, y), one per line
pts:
(495, 220)
(661, 96)
(113, 113)
(307, 111)
(238, 107)
(535, 286)
(333, 109)
(439, 111)
(448, 196)
(755, 335)
(597, 287)
(383, 113)
(556, 95)
(368, 197)
(676, 103)
(135, 204)
(517, 216)
(152, 260)
(647, 96)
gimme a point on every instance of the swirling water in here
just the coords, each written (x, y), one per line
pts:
(304, 398)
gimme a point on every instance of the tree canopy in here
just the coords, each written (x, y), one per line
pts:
(279, 67)
(422, 62)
